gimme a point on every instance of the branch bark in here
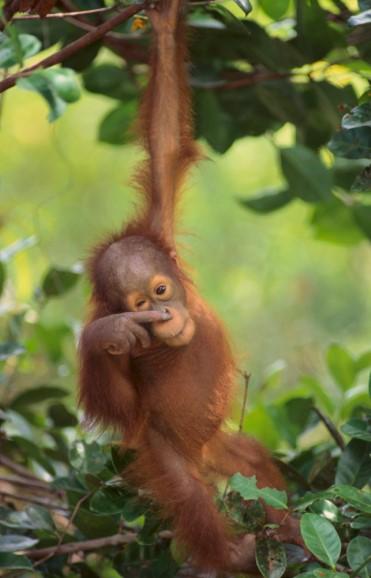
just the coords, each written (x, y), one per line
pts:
(85, 546)
(37, 501)
(71, 49)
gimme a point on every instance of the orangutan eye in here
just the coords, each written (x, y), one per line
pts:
(160, 290)
(140, 303)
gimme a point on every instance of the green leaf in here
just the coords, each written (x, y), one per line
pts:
(270, 557)
(213, 121)
(12, 53)
(58, 281)
(314, 35)
(268, 201)
(61, 417)
(354, 465)
(107, 501)
(37, 395)
(13, 562)
(321, 538)
(32, 518)
(38, 82)
(358, 116)
(116, 126)
(341, 366)
(244, 5)
(357, 428)
(360, 19)
(362, 182)
(10, 349)
(326, 509)
(363, 361)
(306, 175)
(110, 80)
(358, 499)
(358, 551)
(352, 144)
(276, 9)
(64, 81)
(248, 489)
(2, 277)
(275, 498)
(13, 543)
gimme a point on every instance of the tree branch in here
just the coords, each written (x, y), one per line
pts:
(75, 46)
(29, 483)
(330, 427)
(85, 546)
(37, 501)
(54, 15)
(18, 469)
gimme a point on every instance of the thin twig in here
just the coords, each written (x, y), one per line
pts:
(76, 510)
(29, 483)
(33, 500)
(330, 426)
(85, 546)
(246, 377)
(18, 469)
(75, 46)
(53, 15)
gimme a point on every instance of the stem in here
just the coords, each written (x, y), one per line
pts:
(330, 427)
(75, 46)
(246, 377)
(29, 483)
(36, 501)
(53, 15)
(18, 469)
(85, 546)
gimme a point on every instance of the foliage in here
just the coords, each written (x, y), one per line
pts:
(303, 65)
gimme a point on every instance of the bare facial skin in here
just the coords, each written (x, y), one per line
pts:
(140, 278)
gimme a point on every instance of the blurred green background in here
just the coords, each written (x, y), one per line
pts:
(284, 294)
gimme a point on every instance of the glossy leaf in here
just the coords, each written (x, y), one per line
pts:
(352, 144)
(64, 81)
(360, 19)
(9, 561)
(358, 552)
(14, 543)
(306, 175)
(37, 395)
(58, 281)
(357, 428)
(38, 82)
(10, 54)
(270, 557)
(321, 538)
(358, 499)
(110, 80)
(244, 5)
(267, 201)
(354, 465)
(358, 116)
(10, 349)
(116, 127)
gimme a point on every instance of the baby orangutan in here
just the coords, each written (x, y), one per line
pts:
(155, 360)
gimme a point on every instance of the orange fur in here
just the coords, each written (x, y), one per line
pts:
(169, 402)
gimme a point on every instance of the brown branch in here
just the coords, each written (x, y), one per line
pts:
(71, 520)
(53, 15)
(85, 546)
(29, 483)
(33, 500)
(75, 46)
(330, 426)
(18, 469)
